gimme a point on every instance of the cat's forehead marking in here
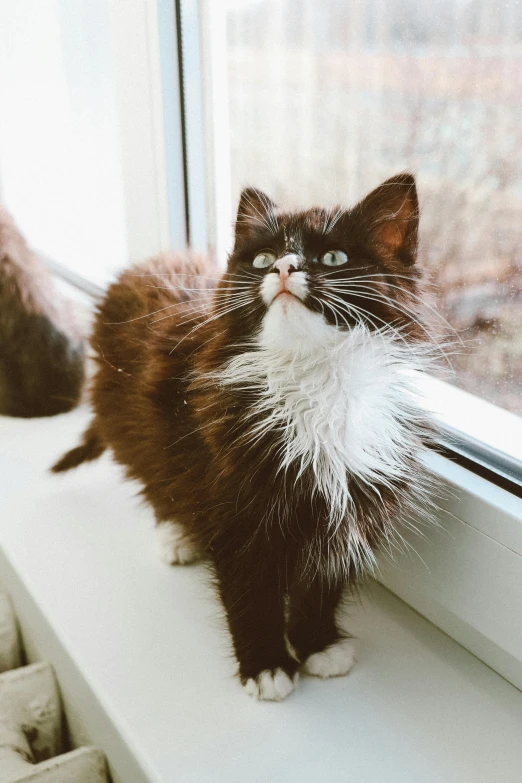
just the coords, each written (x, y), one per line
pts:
(293, 238)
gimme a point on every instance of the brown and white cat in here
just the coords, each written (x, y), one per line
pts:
(271, 415)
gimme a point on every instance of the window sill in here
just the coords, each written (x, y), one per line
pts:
(466, 576)
(145, 667)
(476, 428)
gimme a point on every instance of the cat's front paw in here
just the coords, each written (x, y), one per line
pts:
(335, 660)
(271, 685)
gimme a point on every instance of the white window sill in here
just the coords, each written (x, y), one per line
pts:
(466, 576)
(144, 662)
(482, 422)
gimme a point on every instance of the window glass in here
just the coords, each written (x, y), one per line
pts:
(328, 98)
(60, 161)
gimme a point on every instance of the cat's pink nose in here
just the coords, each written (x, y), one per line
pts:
(285, 266)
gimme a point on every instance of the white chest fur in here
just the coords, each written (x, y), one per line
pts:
(343, 402)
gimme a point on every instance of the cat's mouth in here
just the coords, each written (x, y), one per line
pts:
(273, 287)
(286, 297)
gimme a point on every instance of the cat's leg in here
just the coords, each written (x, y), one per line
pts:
(251, 591)
(175, 546)
(313, 634)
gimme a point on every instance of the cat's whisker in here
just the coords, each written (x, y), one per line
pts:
(334, 311)
(231, 287)
(402, 308)
(225, 301)
(225, 309)
(437, 346)
(363, 317)
(149, 315)
(226, 275)
(350, 311)
(365, 278)
(141, 317)
(207, 321)
(339, 271)
(365, 313)
(184, 304)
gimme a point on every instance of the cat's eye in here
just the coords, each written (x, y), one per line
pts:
(334, 258)
(264, 259)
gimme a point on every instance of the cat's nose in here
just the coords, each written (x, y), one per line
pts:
(286, 265)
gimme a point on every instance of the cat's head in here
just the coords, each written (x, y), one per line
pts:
(348, 266)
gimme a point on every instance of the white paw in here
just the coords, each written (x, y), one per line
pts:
(175, 548)
(271, 685)
(333, 661)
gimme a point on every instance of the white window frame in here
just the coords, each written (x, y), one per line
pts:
(177, 190)
(149, 111)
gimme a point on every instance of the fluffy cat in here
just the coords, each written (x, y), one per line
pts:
(271, 415)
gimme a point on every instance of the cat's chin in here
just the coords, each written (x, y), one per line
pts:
(286, 310)
(286, 298)
(290, 327)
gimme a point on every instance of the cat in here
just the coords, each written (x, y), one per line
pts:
(41, 344)
(271, 414)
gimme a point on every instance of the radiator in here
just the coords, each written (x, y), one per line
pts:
(33, 736)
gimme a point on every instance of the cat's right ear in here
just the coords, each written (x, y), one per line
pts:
(256, 210)
(391, 213)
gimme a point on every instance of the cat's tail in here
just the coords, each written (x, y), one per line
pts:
(89, 449)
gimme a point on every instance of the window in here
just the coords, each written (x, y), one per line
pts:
(60, 157)
(323, 101)
(115, 145)
(328, 99)
(129, 127)
(82, 139)
(318, 102)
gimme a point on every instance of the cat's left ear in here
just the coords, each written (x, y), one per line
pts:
(255, 210)
(391, 213)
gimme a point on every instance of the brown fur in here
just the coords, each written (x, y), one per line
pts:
(41, 347)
